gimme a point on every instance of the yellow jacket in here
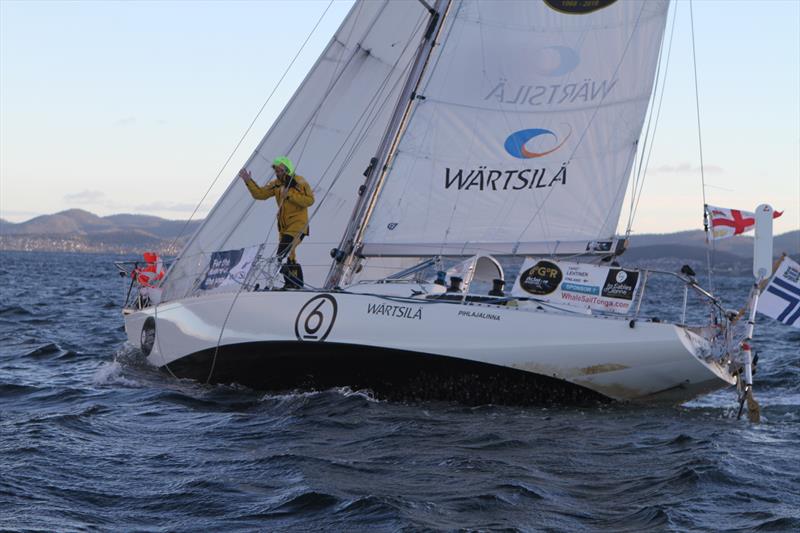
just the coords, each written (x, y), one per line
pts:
(292, 204)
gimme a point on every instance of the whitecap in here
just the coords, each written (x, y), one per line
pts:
(111, 374)
(346, 392)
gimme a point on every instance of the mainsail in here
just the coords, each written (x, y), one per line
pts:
(523, 132)
(331, 128)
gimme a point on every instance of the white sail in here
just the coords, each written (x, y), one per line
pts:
(330, 129)
(524, 130)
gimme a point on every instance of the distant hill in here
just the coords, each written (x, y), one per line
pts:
(742, 245)
(689, 253)
(80, 230)
(669, 251)
(80, 222)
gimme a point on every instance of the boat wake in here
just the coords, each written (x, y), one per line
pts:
(112, 373)
(343, 392)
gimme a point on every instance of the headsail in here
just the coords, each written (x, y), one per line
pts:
(524, 130)
(330, 129)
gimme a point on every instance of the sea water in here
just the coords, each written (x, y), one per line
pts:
(93, 438)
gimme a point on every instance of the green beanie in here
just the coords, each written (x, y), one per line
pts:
(285, 161)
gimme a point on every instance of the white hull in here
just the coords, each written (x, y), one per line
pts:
(266, 331)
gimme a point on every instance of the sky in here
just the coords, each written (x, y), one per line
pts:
(120, 107)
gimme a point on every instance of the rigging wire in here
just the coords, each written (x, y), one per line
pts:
(368, 116)
(366, 121)
(334, 79)
(386, 153)
(591, 119)
(252, 123)
(310, 122)
(709, 242)
(636, 196)
(238, 144)
(506, 115)
(639, 157)
(373, 109)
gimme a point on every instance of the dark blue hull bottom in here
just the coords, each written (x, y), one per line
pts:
(390, 374)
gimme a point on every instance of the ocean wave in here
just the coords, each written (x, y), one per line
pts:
(344, 392)
(15, 311)
(10, 390)
(111, 373)
(522, 490)
(51, 350)
(96, 438)
(646, 518)
(303, 503)
(784, 523)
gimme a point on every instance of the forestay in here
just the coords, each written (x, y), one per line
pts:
(331, 128)
(524, 130)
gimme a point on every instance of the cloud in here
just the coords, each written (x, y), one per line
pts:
(85, 197)
(686, 168)
(17, 216)
(100, 199)
(169, 206)
(125, 121)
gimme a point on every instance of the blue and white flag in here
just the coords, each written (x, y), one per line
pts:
(781, 298)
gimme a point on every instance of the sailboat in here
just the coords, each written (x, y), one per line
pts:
(444, 141)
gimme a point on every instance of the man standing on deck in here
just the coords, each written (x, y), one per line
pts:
(294, 196)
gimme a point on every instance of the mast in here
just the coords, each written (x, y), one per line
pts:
(345, 256)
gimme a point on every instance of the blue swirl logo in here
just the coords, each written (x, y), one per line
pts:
(555, 61)
(516, 143)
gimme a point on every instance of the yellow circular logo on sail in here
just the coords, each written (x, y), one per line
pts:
(578, 7)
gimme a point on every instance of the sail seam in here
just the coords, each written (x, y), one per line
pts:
(371, 112)
(363, 208)
(594, 114)
(335, 77)
(326, 56)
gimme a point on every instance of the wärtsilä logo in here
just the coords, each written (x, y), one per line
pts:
(516, 143)
(555, 61)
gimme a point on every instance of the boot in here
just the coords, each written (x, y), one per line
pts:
(292, 275)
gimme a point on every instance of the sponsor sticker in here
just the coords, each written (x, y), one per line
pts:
(583, 285)
(227, 267)
(620, 284)
(583, 289)
(578, 7)
(542, 278)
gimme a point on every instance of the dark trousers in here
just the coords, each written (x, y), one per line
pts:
(291, 270)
